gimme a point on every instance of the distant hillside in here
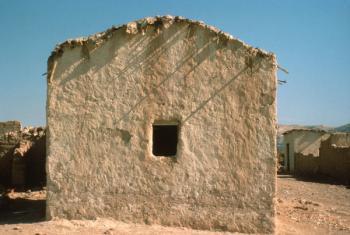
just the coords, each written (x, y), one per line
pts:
(283, 128)
(343, 128)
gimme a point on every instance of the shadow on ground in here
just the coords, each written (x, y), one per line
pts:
(21, 210)
(323, 179)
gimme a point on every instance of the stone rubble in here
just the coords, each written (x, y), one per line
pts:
(18, 147)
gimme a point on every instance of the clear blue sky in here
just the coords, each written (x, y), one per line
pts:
(310, 38)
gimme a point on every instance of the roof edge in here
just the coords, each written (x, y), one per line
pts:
(305, 129)
(139, 26)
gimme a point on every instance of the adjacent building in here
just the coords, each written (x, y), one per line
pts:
(317, 153)
(304, 142)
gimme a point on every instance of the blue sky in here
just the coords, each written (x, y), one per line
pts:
(310, 38)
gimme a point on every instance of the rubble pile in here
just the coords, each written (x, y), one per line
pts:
(22, 156)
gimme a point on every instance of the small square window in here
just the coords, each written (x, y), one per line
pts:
(165, 138)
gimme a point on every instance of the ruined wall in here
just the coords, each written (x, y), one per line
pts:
(306, 165)
(35, 174)
(340, 139)
(22, 156)
(9, 126)
(104, 94)
(333, 160)
(7, 145)
(29, 159)
(335, 157)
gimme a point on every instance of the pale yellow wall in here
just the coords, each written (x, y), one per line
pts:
(103, 99)
(306, 142)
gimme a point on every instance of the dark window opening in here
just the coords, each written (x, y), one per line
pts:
(165, 140)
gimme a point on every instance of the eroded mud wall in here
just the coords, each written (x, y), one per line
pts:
(335, 157)
(308, 165)
(106, 92)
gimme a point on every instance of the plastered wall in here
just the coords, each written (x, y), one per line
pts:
(104, 94)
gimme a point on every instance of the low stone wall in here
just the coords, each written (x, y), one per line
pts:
(335, 160)
(306, 165)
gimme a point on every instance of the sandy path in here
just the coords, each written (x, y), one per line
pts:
(312, 208)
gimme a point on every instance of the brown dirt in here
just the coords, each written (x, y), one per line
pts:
(302, 208)
(312, 208)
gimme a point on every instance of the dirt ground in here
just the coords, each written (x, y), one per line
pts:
(312, 208)
(303, 207)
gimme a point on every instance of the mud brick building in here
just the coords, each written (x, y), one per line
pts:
(166, 121)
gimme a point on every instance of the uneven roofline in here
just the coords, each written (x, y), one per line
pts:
(139, 26)
(304, 129)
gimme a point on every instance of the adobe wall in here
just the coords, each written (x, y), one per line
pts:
(340, 139)
(104, 94)
(335, 157)
(306, 165)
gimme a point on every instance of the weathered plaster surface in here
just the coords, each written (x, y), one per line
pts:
(335, 157)
(104, 93)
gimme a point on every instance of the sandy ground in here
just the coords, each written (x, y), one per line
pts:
(302, 208)
(312, 208)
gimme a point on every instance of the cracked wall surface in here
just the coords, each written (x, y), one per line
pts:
(106, 91)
